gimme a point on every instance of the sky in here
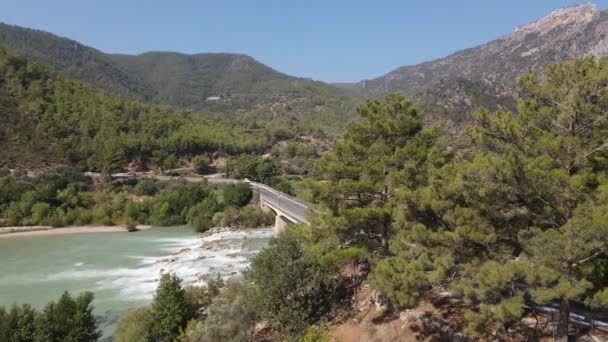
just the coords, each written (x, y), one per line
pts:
(327, 40)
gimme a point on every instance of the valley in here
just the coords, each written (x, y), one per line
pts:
(167, 196)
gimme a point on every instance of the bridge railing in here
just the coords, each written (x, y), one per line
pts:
(289, 205)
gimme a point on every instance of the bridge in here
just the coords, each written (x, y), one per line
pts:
(287, 209)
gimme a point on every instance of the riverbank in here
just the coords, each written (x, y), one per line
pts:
(10, 232)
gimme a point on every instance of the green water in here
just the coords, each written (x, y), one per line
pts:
(122, 269)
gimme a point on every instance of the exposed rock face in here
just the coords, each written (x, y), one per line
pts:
(575, 15)
(453, 86)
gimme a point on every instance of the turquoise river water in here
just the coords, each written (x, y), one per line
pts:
(122, 269)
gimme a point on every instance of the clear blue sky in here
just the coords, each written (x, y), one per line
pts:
(329, 40)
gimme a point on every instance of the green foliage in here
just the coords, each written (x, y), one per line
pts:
(200, 297)
(230, 317)
(252, 167)
(170, 311)
(289, 289)
(237, 195)
(133, 326)
(145, 187)
(175, 200)
(316, 333)
(200, 164)
(18, 324)
(523, 203)
(200, 216)
(187, 81)
(387, 148)
(68, 319)
(40, 212)
(250, 216)
(69, 121)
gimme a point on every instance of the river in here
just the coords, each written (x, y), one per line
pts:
(122, 269)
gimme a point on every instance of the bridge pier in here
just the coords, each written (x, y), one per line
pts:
(280, 223)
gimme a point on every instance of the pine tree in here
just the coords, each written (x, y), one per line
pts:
(379, 152)
(170, 311)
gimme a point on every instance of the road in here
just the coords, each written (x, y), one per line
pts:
(296, 209)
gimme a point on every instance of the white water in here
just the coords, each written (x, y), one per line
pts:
(122, 269)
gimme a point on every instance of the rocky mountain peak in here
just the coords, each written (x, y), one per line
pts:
(578, 14)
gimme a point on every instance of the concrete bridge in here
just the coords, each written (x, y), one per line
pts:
(288, 210)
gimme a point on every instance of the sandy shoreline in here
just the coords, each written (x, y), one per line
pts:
(10, 232)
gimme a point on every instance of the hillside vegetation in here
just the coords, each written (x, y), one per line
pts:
(49, 119)
(511, 216)
(220, 82)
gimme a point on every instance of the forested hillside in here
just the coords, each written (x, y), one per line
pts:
(48, 119)
(220, 82)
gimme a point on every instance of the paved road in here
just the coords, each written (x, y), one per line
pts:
(296, 209)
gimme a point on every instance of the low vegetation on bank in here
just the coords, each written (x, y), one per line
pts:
(67, 198)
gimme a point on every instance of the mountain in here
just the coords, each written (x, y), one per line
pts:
(49, 119)
(453, 86)
(221, 82)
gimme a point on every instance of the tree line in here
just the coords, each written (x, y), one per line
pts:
(509, 213)
(67, 319)
(74, 123)
(67, 198)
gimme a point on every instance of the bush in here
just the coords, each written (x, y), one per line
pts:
(200, 216)
(102, 214)
(281, 185)
(250, 216)
(252, 167)
(200, 164)
(230, 318)
(145, 187)
(40, 212)
(133, 327)
(237, 195)
(289, 289)
(317, 333)
(78, 216)
(58, 219)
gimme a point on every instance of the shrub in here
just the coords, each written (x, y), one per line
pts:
(237, 195)
(57, 219)
(145, 187)
(133, 327)
(230, 317)
(200, 164)
(289, 289)
(102, 214)
(40, 212)
(250, 216)
(200, 216)
(317, 333)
